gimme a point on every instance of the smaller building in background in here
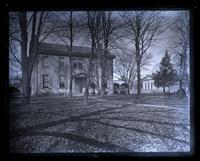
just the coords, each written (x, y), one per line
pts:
(147, 87)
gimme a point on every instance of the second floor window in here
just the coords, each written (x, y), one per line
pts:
(77, 64)
(61, 81)
(45, 61)
(61, 62)
(93, 65)
(45, 81)
(80, 65)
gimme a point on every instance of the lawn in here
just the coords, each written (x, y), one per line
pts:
(117, 123)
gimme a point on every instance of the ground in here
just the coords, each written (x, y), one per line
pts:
(117, 123)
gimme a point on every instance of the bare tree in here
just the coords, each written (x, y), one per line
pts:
(125, 64)
(143, 27)
(180, 39)
(67, 29)
(111, 24)
(125, 68)
(29, 35)
(93, 20)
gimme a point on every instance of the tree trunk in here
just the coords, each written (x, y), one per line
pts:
(180, 84)
(70, 77)
(70, 56)
(138, 80)
(28, 90)
(128, 90)
(97, 74)
(86, 89)
(138, 66)
(89, 74)
(103, 80)
(164, 89)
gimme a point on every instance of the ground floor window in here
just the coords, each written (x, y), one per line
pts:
(45, 81)
(61, 81)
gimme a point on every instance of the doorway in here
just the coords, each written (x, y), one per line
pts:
(80, 83)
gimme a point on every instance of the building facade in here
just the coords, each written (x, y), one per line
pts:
(50, 74)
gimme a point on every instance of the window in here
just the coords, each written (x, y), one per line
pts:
(45, 81)
(61, 81)
(75, 66)
(104, 84)
(93, 65)
(80, 65)
(61, 62)
(45, 61)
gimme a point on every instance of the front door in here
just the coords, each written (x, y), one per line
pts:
(80, 83)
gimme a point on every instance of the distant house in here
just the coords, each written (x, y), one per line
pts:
(120, 87)
(51, 70)
(147, 87)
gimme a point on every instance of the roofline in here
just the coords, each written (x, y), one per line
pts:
(64, 53)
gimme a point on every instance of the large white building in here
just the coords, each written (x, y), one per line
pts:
(50, 74)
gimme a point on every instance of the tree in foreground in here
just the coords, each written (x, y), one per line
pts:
(180, 40)
(166, 75)
(143, 29)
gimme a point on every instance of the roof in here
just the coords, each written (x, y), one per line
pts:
(147, 77)
(118, 81)
(61, 50)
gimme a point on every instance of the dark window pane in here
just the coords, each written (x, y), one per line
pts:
(61, 62)
(45, 61)
(45, 81)
(61, 81)
(80, 65)
(75, 65)
(93, 65)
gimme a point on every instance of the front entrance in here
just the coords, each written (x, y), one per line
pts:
(80, 83)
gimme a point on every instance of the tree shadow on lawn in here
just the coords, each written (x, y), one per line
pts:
(79, 139)
(143, 131)
(28, 130)
(33, 130)
(93, 142)
(71, 119)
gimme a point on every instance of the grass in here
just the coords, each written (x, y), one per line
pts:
(106, 124)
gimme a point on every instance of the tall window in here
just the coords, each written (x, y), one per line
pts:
(45, 81)
(93, 65)
(77, 64)
(80, 65)
(45, 61)
(61, 81)
(61, 62)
